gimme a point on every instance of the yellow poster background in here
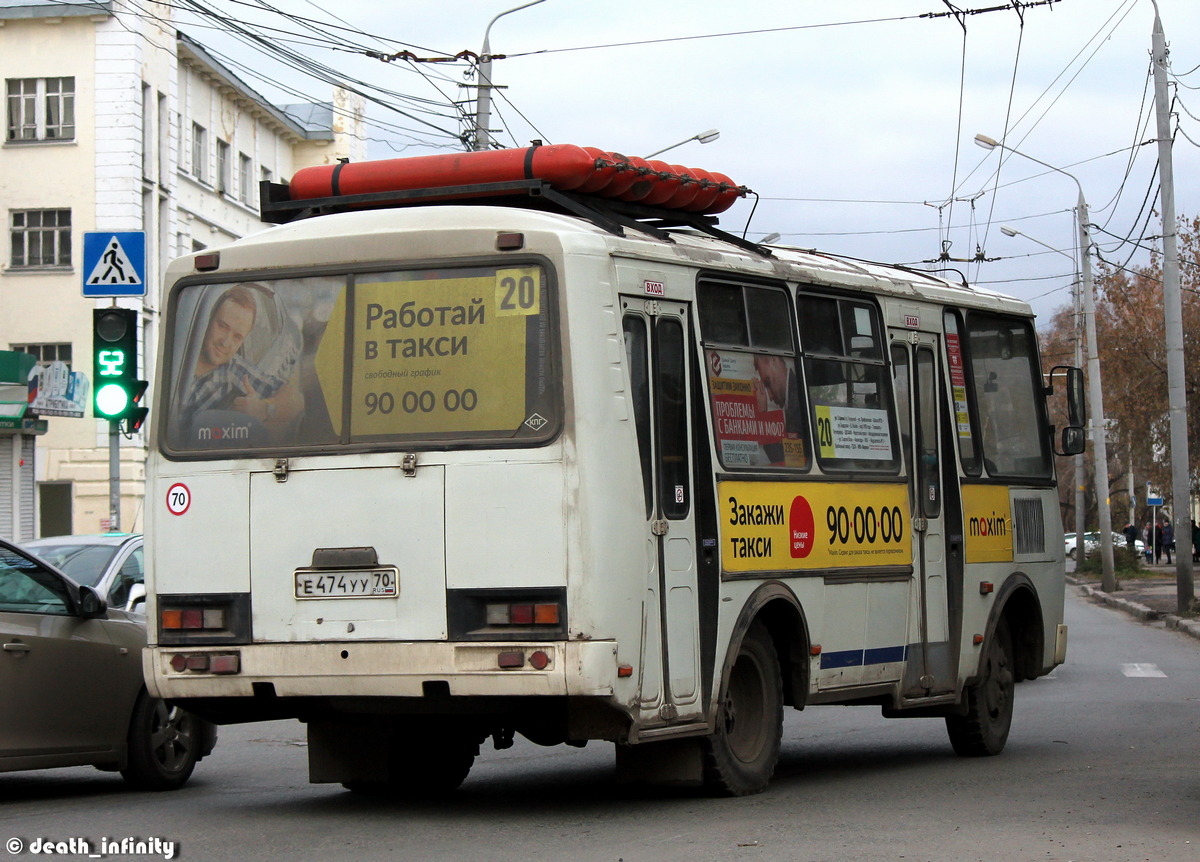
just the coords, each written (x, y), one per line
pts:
(987, 523)
(781, 526)
(441, 356)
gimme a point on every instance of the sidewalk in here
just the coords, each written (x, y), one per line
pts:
(1149, 598)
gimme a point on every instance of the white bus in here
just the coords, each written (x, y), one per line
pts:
(582, 469)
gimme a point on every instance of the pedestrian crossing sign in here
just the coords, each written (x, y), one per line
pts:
(114, 263)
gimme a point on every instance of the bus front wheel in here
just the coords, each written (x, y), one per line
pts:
(983, 730)
(740, 757)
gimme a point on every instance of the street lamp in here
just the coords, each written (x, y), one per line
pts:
(483, 101)
(1108, 578)
(1079, 472)
(704, 138)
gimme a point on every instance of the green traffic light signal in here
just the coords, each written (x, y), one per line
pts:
(111, 401)
(114, 363)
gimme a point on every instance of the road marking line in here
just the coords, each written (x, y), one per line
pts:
(1142, 670)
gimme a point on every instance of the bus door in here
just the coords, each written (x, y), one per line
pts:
(657, 346)
(931, 660)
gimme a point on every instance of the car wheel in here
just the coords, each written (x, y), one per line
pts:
(164, 745)
(1071, 553)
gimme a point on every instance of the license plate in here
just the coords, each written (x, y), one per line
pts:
(383, 582)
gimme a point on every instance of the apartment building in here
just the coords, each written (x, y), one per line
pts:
(116, 121)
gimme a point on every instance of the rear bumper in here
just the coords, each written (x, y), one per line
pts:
(373, 669)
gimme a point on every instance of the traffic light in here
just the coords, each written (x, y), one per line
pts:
(116, 388)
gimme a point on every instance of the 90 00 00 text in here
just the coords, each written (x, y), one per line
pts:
(864, 524)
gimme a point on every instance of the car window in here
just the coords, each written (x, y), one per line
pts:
(85, 563)
(26, 587)
(131, 572)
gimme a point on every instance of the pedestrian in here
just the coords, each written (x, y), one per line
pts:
(1168, 532)
(1158, 542)
(1148, 542)
(1195, 542)
(1130, 532)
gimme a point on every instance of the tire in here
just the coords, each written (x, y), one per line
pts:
(432, 764)
(164, 744)
(983, 730)
(740, 757)
(1071, 553)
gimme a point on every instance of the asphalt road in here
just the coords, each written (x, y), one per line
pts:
(1103, 765)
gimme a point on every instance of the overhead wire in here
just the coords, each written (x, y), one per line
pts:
(249, 35)
(1012, 87)
(204, 18)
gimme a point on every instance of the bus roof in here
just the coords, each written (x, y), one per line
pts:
(353, 237)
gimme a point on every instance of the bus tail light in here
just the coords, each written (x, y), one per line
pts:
(193, 618)
(538, 659)
(212, 618)
(523, 614)
(531, 613)
(202, 662)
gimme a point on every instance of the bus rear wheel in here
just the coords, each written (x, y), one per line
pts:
(983, 730)
(740, 757)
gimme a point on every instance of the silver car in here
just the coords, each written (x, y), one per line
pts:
(110, 563)
(71, 672)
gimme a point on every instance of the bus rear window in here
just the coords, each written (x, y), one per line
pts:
(414, 357)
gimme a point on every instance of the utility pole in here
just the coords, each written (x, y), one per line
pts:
(1173, 324)
(1108, 577)
(483, 100)
(1080, 468)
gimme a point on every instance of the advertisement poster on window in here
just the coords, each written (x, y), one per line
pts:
(758, 417)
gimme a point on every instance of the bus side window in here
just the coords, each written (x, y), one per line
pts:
(844, 367)
(928, 465)
(965, 417)
(759, 411)
(637, 353)
(902, 389)
(671, 389)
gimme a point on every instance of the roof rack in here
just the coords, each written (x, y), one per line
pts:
(609, 214)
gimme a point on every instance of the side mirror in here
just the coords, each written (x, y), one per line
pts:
(1076, 403)
(137, 596)
(1074, 441)
(91, 606)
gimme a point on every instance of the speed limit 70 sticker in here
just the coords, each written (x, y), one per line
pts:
(178, 498)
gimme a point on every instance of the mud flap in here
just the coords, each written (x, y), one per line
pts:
(672, 763)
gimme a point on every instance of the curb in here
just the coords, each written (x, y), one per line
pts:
(1136, 609)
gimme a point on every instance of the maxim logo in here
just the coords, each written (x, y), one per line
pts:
(996, 525)
(228, 432)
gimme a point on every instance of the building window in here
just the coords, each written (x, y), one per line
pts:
(40, 238)
(199, 151)
(41, 109)
(264, 174)
(46, 353)
(245, 181)
(223, 167)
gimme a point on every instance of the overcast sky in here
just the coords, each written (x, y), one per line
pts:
(853, 121)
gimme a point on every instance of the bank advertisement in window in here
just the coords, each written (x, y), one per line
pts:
(758, 415)
(414, 355)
